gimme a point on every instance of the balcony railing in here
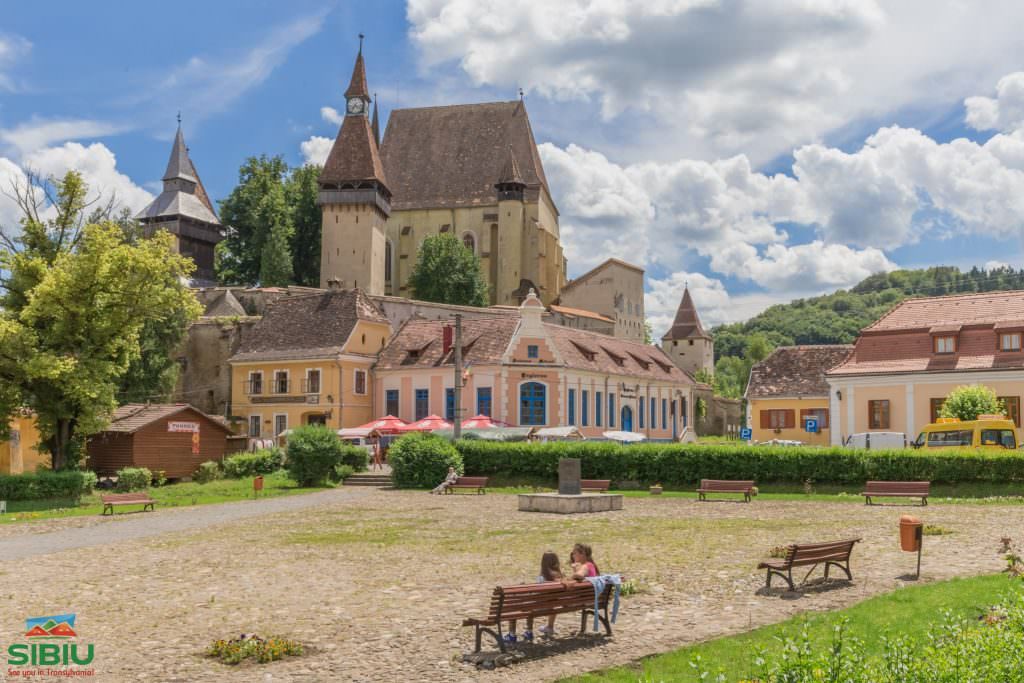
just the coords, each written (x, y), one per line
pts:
(254, 386)
(311, 386)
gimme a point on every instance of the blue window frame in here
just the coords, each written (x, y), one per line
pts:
(664, 413)
(483, 401)
(597, 408)
(449, 404)
(683, 412)
(654, 413)
(571, 409)
(391, 402)
(584, 408)
(611, 409)
(422, 403)
(640, 412)
(532, 351)
(532, 403)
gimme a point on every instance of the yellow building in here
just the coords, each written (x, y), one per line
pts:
(469, 170)
(308, 362)
(789, 387)
(20, 452)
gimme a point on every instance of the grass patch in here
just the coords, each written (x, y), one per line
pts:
(910, 611)
(172, 495)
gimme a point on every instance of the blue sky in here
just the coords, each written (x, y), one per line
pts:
(759, 153)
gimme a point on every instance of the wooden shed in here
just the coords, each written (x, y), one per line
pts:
(174, 438)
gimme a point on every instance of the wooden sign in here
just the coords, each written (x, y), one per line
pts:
(192, 427)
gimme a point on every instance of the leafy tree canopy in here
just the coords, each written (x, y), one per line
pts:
(76, 297)
(446, 271)
(968, 402)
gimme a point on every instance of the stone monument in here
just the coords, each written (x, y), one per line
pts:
(570, 498)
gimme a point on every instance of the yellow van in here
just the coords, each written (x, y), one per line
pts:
(988, 431)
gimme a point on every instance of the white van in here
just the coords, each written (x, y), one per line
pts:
(873, 441)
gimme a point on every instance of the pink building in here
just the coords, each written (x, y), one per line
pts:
(525, 372)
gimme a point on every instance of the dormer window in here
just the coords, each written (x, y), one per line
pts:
(945, 343)
(1009, 341)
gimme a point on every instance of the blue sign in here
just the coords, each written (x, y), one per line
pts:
(811, 425)
(746, 434)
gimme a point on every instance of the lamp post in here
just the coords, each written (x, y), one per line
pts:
(457, 424)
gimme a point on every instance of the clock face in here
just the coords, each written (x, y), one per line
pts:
(355, 105)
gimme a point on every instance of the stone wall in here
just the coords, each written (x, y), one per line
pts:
(723, 416)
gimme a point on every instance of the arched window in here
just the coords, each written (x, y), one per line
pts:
(532, 403)
(387, 260)
(469, 240)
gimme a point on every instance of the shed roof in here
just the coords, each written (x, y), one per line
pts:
(132, 417)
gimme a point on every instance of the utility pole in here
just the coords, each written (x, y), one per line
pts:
(457, 425)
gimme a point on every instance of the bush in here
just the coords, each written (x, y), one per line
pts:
(686, 464)
(355, 457)
(133, 479)
(341, 473)
(207, 472)
(421, 460)
(313, 452)
(263, 461)
(45, 485)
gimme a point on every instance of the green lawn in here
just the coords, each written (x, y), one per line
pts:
(909, 611)
(172, 495)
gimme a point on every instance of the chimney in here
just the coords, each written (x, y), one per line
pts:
(335, 284)
(447, 336)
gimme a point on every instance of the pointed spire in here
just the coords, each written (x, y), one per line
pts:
(510, 174)
(179, 166)
(687, 323)
(376, 122)
(357, 86)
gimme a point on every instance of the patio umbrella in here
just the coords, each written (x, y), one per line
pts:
(389, 424)
(427, 424)
(479, 422)
(624, 437)
(354, 433)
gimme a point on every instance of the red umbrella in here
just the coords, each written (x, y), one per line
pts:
(427, 424)
(388, 424)
(479, 422)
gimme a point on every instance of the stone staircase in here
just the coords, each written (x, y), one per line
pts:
(376, 479)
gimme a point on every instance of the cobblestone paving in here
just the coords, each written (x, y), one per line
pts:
(377, 583)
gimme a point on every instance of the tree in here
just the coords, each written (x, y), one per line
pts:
(648, 332)
(276, 257)
(968, 402)
(249, 214)
(301, 191)
(446, 271)
(75, 300)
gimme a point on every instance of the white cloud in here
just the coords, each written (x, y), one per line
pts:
(37, 133)
(98, 167)
(714, 303)
(12, 49)
(316, 149)
(331, 115)
(1005, 111)
(11, 178)
(720, 77)
(996, 265)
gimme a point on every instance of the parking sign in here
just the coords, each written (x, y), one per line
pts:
(811, 425)
(746, 434)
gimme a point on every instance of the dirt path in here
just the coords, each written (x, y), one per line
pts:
(376, 584)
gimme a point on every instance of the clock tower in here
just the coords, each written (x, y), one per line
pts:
(354, 197)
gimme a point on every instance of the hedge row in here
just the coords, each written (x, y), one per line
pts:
(677, 464)
(46, 485)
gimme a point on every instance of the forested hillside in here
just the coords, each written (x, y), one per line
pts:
(836, 318)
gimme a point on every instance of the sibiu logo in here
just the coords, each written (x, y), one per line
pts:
(60, 627)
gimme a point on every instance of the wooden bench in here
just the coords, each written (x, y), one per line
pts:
(477, 483)
(725, 486)
(534, 600)
(112, 499)
(595, 485)
(834, 553)
(897, 489)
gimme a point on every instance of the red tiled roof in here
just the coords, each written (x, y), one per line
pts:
(687, 323)
(354, 157)
(795, 371)
(986, 308)
(634, 355)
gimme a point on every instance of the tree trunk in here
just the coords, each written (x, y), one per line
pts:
(60, 443)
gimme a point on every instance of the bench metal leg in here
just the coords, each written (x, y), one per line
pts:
(587, 614)
(106, 507)
(924, 502)
(480, 630)
(867, 500)
(787, 577)
(845, 567)
(700, 496)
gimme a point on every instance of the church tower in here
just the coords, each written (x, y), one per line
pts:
(509, 281)
(185, 210)
(686, 343)
(354, 197)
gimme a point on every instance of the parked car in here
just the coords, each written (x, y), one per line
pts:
(988, 431)
(876, 440)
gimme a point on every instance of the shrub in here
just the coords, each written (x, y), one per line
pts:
(355, 457)
(968, 402)
(207, 472)
(313, 451)
(44, 485)
(341, 473)
(686, 464)
(133, 479)
(422, 460)
(244, 464)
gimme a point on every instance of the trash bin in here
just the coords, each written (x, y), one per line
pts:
(910, 533)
